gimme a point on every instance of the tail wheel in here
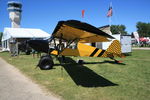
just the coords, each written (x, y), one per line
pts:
(46, 63)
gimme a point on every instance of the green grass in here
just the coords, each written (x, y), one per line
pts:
(99, 79)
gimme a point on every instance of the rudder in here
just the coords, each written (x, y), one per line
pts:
(115, 49)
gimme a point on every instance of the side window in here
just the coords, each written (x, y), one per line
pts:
(73, 46)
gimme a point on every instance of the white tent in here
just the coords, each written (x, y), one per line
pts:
(18, 33)
(23, 33)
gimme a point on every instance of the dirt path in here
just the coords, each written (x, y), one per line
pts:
(15, 86)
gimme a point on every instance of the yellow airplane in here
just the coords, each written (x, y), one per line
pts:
(69, 39)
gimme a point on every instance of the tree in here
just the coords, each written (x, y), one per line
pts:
(118, 29)
(1, 34)
(143, 29)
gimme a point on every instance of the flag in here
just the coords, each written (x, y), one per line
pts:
(109, 13)
(83, 11)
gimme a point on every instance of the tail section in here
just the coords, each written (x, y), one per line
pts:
(114, 49)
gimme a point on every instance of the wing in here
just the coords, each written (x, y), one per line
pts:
(83, 32)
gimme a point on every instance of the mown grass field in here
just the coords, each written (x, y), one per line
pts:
(98, 79)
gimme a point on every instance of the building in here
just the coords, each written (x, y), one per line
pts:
(125, 40)
(15, 10)
(17, 35)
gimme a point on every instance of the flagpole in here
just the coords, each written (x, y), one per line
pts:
(110, 19)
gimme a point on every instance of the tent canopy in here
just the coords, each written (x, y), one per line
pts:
(23, 33)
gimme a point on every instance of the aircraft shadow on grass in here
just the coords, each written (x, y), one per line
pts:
(83, 76)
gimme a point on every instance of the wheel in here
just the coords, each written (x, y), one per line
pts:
(46, 63)
(80, 62)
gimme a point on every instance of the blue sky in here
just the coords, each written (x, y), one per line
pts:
(45, 14)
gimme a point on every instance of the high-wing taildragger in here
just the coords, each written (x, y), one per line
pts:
(70, 38)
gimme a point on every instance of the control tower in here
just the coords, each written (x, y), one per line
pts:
(14, 9)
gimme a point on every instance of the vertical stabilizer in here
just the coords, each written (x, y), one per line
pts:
(115, 49)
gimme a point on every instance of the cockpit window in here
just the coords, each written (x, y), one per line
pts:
(73, 46)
